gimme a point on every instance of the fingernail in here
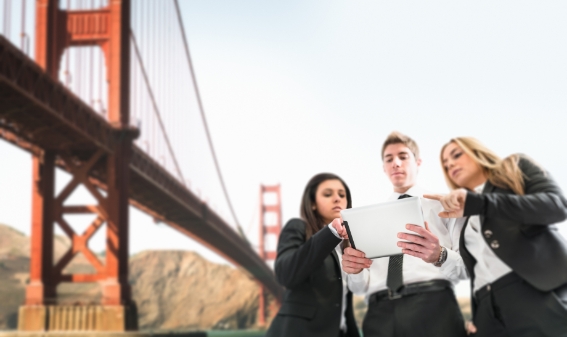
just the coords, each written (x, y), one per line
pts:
(408, 226)
(399, 244)
(399, 235)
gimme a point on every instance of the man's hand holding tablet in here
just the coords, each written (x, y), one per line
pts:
(424, 244)
(354, 261)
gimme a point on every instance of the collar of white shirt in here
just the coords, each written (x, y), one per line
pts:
(414, 191)
(479, 188)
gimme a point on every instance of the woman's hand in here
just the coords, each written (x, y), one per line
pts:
(354, 261)
(471, 329)
(338, 226)
(453, 203)
(424, 244)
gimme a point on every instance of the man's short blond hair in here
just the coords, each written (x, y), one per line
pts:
(399, 138)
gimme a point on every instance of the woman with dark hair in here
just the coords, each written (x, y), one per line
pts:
(514, 255)
(316, 301)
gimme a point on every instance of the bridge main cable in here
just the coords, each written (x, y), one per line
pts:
(156, 109)
(202, 111)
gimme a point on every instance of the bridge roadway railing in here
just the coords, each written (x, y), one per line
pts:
(37, 112)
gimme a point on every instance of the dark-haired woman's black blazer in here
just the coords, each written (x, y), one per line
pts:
(519, 228)
(310, 272)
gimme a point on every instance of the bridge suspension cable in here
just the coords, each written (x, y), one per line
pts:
(203, 118)
(156, 108)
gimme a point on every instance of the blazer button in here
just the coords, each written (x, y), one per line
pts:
(487, 233)
(339, 278)
(495, 244)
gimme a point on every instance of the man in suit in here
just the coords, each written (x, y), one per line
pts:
(408, 295)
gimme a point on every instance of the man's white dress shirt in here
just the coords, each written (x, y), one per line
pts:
(415, 269)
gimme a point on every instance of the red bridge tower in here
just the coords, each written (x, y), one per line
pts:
(56, 30)
(271, 225)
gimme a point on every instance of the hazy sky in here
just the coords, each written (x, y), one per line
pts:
(295, 88)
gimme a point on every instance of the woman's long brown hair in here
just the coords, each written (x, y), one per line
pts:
(504, 173)
(312, 217)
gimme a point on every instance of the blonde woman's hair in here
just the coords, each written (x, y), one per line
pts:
(503, 173)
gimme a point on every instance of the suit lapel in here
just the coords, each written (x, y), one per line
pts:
(488, 188)
(463, 248)
(336, 257)
(337, 262)
(468, 260)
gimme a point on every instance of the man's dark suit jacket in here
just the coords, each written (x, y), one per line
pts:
(310, 272)
(519, 230)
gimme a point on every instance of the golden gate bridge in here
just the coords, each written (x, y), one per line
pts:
(100, 89)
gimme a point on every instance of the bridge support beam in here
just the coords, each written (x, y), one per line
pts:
(41, 288)
(116, 289)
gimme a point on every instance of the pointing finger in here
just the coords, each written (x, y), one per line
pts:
(433, 196)
(449, 215)
(444, 215)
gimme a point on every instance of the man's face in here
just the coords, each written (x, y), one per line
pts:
(400, 166)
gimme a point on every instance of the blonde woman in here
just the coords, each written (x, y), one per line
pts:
(514, 255)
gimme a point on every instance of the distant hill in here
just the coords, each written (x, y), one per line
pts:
(13, 242)
(173, 289)
(176, 289)
(14, 269)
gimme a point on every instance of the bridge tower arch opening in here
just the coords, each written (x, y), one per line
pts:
(57, 30)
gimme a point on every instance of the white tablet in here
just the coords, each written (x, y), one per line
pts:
(374, 229)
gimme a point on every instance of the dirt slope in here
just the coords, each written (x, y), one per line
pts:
(173, 289)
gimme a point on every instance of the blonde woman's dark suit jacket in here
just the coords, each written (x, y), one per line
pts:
(519, 228)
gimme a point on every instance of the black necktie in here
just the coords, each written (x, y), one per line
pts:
(395, 279)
